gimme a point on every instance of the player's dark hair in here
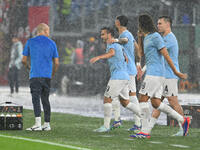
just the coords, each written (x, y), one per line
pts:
(166, 19)
(109, 30)
(146, 24)
(123, 20)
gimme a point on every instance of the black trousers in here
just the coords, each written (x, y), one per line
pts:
(40, 88)
(13, 79)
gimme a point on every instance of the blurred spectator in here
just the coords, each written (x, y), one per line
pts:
(90, 6)
(69, 54)
(38, 2)
(186, 19)
(79, 52)
(64, 9)
(75, 9)
(92, 48)
(15, 64)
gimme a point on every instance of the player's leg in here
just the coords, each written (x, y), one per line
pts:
(16, 80)
(116, 111)
(124, 100)
(121, 85)
(112, 92)
(171, 112)
(46, 104)
(154, 116)
(11, 80)
(133, 98)
(148, 89)
(35, 87)
(171, 92)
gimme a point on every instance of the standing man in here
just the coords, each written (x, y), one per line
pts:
(129, 45)
(152, 87)
(117, 88)
(15, 64)
(42, 52)
(171, 81)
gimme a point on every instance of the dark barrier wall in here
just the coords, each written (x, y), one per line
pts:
(80, 80)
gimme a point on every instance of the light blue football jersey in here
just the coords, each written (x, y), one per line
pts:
(129, 49)
(117, 63)
(172, 48)
(153, 43)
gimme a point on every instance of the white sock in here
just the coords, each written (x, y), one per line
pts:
(171, 112)
(180, 125)
(152, 122)
(107, 114)
(134, 109)
(116, 109)
(145, 111)
(137, 119)
(38, 121)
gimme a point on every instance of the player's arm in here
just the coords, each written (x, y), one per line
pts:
(25, 62)
(120, 40)
(137, 50)
(107, 55)
(164, 52)
(140, 47)
(55, 65)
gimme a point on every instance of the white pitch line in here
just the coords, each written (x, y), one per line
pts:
(181, 146)
(106, 136)
(155, 142)
(45, 142)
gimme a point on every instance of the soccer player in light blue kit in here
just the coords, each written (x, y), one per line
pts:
(152, 86)
(128, 42)
(117, 88)
(171, 81)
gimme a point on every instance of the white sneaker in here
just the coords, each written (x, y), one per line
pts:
(34, 128)
(179, 133)
(46, 127)
(102, 129)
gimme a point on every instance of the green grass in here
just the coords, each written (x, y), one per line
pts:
(76, 130)
(14, 144)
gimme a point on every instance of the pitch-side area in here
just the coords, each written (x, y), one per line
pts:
(76, 132)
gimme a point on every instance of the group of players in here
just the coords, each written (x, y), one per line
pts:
(162, 74)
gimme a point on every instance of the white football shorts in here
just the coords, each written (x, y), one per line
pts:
(170, 87)
(117, 88)
(152, 86)
(131, 84)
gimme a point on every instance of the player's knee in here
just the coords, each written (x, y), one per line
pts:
(107, 100)
(132, 93)
(124, 102)
(155, 103)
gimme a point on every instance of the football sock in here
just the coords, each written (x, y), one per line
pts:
(107, 114)
(135, 101)
(116, 109)
(171, 112)
(145, 116)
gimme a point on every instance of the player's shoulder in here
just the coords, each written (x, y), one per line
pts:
(128, 33)
(154, 36)
(116, 46)
(170, 37)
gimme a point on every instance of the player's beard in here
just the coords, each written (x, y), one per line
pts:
(105, 40)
